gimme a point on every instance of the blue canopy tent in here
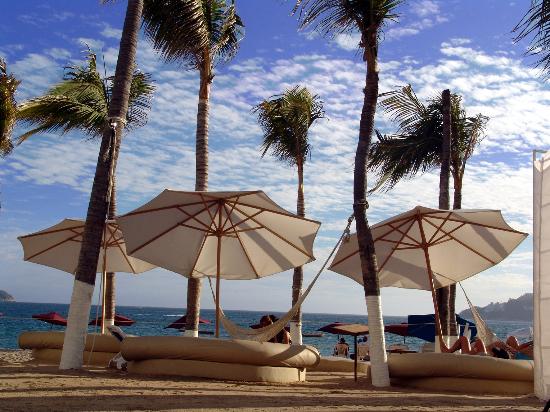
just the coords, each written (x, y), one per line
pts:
(423, 326)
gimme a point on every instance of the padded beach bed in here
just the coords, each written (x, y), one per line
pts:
(46, 347)
(238, 360)
(462, 373)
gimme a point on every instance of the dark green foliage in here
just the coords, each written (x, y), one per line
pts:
(8, 108)
(416, 146)
(536, 25)
(81, 102)
(285, 120)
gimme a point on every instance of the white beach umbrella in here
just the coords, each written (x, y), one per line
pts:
(229, 235)
(429, 248)
(59, 247)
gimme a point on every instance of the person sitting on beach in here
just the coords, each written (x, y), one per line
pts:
(341, 349)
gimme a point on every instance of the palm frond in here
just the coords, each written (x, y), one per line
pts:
(8, 108)
(403, 106)
(229, 32)
(536, 24)
(285, 120)
(331, 17)
(81, 101)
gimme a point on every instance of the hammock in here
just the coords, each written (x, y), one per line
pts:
(266, 333)
(483, 331)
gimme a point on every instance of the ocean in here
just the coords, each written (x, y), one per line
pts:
(15, 317)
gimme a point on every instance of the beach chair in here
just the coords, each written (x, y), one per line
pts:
(398, 347)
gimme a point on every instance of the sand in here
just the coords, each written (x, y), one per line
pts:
(26, 386)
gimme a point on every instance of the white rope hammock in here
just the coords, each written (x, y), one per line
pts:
(266, 333)
(483, 331)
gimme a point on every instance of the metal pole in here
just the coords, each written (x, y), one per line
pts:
(355, 360)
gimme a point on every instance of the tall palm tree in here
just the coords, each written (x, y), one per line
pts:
(81, 299)
(285, 120)
(536, 25)
(417, 147)
(81, 102)
(368, 17)
(8, 108)
(199, 34)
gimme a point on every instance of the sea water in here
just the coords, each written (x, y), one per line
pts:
(15, 317)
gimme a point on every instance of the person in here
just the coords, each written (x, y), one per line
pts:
(363, 348)
(341, 349)
(511, 349)
(283, 336)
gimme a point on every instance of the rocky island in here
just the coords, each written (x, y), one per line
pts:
(515, 309)
(6, 297)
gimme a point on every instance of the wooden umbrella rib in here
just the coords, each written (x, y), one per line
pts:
(440, 226)
(194, 217)
(277, 235)
(162, 234)
(344, 258)
(443, 236)
(243, 247)
(398, 229)
(403, 234)
(244, 220)
(483, 225)
(159, 209)
(198, 256)
(229, 213)
(53, 246)
(248, 229)
(49, 232)
(402, 222)
(213, 218)
(118, 245)
(397, 242)
(465, 245)
(287, 214)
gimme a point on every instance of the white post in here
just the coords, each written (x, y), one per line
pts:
(296, 333)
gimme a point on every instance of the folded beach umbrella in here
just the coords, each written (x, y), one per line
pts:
(59, 247)
(430, 248)
(229, 235)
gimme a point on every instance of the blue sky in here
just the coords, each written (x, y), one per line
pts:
(464, 45)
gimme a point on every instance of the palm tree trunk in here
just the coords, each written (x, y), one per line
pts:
(298, 277)
(110, 278)
(369, 265)
(81, 299)
(194, 286)
(444, 177)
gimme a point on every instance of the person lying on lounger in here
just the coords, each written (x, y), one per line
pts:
(506, 350)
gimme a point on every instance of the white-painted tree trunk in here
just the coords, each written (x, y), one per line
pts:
(191, 333)
(380, 374)
(109, 322)
(77, 325)
(296, 333)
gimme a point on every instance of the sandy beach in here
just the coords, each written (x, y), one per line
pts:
(27, 386)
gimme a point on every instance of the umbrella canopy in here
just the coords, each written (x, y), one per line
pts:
(400, 329)
(229, 235)
(452, 244)
(119, 321)
(181, 322)
(351, 329)
(59, 247)
(52, 318)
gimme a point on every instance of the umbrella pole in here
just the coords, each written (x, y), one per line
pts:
(432, 288)
(218, 287)
(356, 356)
(103, 294)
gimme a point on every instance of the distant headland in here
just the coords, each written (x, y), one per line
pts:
(515, 309)
(6, 297)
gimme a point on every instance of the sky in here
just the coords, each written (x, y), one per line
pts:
(464, 45)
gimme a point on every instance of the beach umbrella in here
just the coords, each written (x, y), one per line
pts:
(59, 246)
(229, 235)
(53, 318)
(181, 322)
(430, 248)
(350, 329)
(119, 321)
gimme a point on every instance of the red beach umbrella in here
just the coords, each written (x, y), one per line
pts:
(181, 322)
(119, 321)
(400, 329)
(53, 318)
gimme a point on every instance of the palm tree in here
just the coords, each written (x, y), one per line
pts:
(368, 17)
(8, 108)
(285, 120)
(198, 34)
(81, 102)
(417, 147)
(81, 299)
(536, 24)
